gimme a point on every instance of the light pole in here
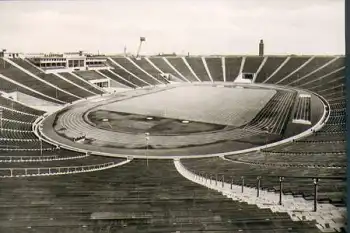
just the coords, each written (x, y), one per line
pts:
(147, 142)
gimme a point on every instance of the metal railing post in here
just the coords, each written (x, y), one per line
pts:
(315, 193)
(258, 186)
(281, 187)
(242, 178)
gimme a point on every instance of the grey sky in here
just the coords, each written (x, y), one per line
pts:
(195, 26)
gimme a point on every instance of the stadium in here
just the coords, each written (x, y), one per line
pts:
(166, 143)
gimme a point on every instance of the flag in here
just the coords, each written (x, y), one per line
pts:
(142, 38)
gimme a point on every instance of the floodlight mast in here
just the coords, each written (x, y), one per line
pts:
(142, 39)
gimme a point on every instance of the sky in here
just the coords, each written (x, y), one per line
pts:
(181, 26)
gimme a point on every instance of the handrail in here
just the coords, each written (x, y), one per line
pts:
(16, 121)
(283, 164)
(301, 153)
(17, 130)
(62, 170)
(69, 167)
(17, 111)
(20, 139)
(10, 159)
(26, 149)
(342, 178)
(329, 133)
(297, 209)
